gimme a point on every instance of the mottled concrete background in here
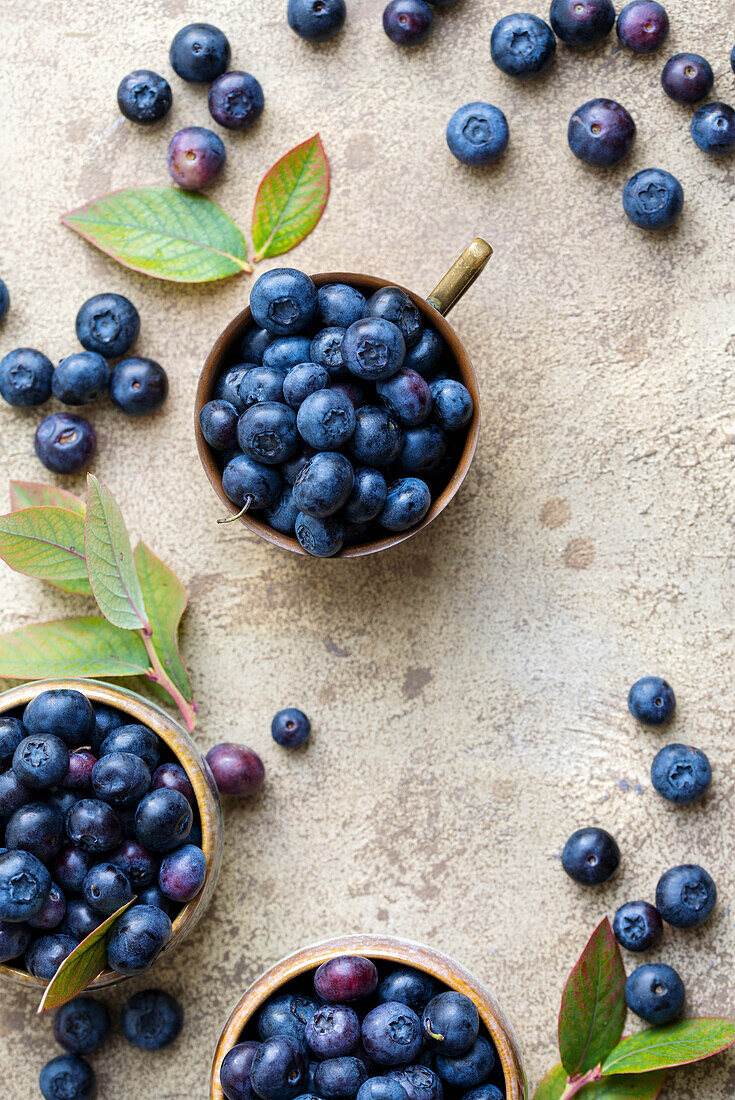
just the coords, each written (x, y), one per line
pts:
(467, 689)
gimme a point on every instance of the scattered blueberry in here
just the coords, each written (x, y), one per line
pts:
(316, 20)
(638, 926)
(582, 22)
(236, 100)
(25, 378)
(283, 301)
(601, 132)
(138, 386)
(655, 992)
(651, 700)
(65, 443)
(108, 324)
(237, 770)
(643, 26)
(686, 896)
(713, 129)
(144, 96)
(152, 1019)
(522, 45)
(681, 774)
(653, 199)
(67, 1077)
(81, 1025)
(478, 134)
(4, 300)
(199, 53)
(687, 77)
(590, 857)
(408, 22)
(290, 728)
(196, 157)
(137, 939)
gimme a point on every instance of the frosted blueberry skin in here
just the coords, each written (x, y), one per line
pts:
(144, 97)
(136, 739)
(378, 437)
(643, 26)
(322, 538)
(408, 22)
(407, 502)
(152, 1019)
(236, 100)
(323, 485)
(64, 443)
(424, 448)
(12, 732)
(79, 775)
(653, 199)
(522, 45)
(228, 386)
(93, 826)
(407, 395)
(591, 856)
(391, 1034)
(106, 888)
(196, 157)
(138, 386)
(686, 896)
(451, 1023)
(41, 760)
(24, 885)
(681, 774)
(199, 53)
(282, 515)
(638, 926)
(601, 132)
(651, 700)
(687, 77)
(15, 937)
(283, 301)
(391, 304)
(316, 20)
(182, 873)
(25, 378)
(63, 712)
(468, 1070)
(373, 349)
(452, 404)
(333, 1031)
(326, 420)
(340, 305)
(137, 939)
(37, 828)
(290, 728)
(713, 129)
(478, 134)
(137, 863)
(46, 954)
(66, 1073)
(368, 496)
(655, 992)
(279, 1068)
(218, 423)
(426, 354)
(411, 987)
(108, 324)
(303, 380)
(13, 794)
(163, 820)
(582, 22)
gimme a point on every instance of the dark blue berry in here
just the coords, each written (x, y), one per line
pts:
(236, 100)
(106, 888)
(152, 1019)
(407, 502)
(681, 774)
(266, 432)
(713, 129)
(655, 992)
(218, 422)
(368, 496)
(373, 349)
(686, 896)
(12, 793)
(283, 301)
(643, 26)
(279, 1068)
(53, 911)
(339, 1078)
(93, 825)
(79, 775)
(425, 355)
(163, 820)
(63, 800)
(653, 199)
(522, 45)
(484, 1092)
(408, 22)
(182, 873)
(638, 926)
(14, 939)
(322, 538)
(346, 978)
(390, 303)
(144, 96)
(687, 77)
(70, 868)
(25, 378)
(37, 828)
(121, 778)
(303, 380)
(324, 484)
(290, 728)
(4, 300)
(293, 467)
(67, 1077)
(80, 378)
(282, 515)
(391, 1034)
(326, 349)
(138, 386)
(333, 1031)
(234, 1074)
(651, 700)
(590, 857)
(407, 395)
(261, 383)
(46, 954)
(138, 864)
(108, 324)
(582, 22)
(601, 132)
(285, 1014)
(65, 443)
(24, 885)
(199, 53)
(137, 939)
(326, 420)
(477, 134)
(81, 1025)
(287, 351)
(468, 1070)
(12, 732)
(64, 712)
(453, 406)
(340, 305)
(228, 386)
(106, 719)
(316, 20)
(79, 920)
(154, 895)
(423, 449)
(136, 739)
(41, 761)
(196, 157)
(254, 343)
(244, 480)
(409, 987)
(419, 1083)
(172, 775)
(451, 1023)
(381, 1088)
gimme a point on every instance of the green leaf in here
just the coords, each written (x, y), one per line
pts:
(291, 199)
(553, 1084)
(592, 1011)
(32, 494)
(110, 560)
(165, 601)
(675, 1045)
(47, 543)
(634, 1086)
(87, 960)
(88, 646)
(163, 232)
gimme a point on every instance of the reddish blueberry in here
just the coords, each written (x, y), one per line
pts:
(408, 22)
(236, 100)
(643, 26)
(687, 77)
(346, 978)
(237, 770)
(196, 157)
(601, 132)
(182, 873)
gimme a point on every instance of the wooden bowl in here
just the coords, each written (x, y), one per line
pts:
(433, 309)
(200, 777)
(378, 948)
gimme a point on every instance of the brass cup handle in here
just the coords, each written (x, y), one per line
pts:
(460, 276)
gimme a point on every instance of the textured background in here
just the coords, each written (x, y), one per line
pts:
(467, 689)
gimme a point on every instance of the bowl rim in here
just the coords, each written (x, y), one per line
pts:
(383, 948)
(191, 759)
(465, 371)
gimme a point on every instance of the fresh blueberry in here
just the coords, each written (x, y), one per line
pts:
(333, 1031)
(643, 26)
(522, 45)
(14, 939)
(4, 300)
(234, 1074)
(354, 393)
(601, 132)
(408, 22)
(199, 53)
(326, 349)
(423, 449)
(70, 868)
(106, 719)
(285, 352)
(80, 378)
(590, 857)
(79, 920)
(228, 386)
(392, 304)
(391, 1034)
(163, 820)
(340, 305)
(138, 864)
(144, 96)
(638, 926)
(316, 20)
(25, 378)
(655, 992)
(254, 344)
(136, 739)
(46, 954)
(65, 443)
(373, 349)
(237, 770)
(290, 728)
(686, 896)
(81, 1025)
(368, 496)
(37, 828)
(582, 22)
(154, 895)
(121, 778)
(106, 888)
(261, 383)
(138, 386)
(218, 423)
(468, 1070)
(266, 432)
(282, 515)
(687, 77)
(295, 465)
(407, 986)
(303, 380)
(182, 873)
(484, 1092)
(477, 134)
(236, 100)
(381, 1088)
(425, 355)
(346, 978)
(713, 129)
(13, 793)
(407, 395)
(324, 484)
(322, 538)
(108, 324)
(453, 406)
(419, 1083)
(244, 480)
(451, 1023)
(339, 1078)
(79, 775)
(196, 157)
(285, 1014)
(64, 712)
(407, 502)
(326, 420)
(12, 732)
(653, 199)
(173, 776)
(681, 774)
(283, 301)
(41, 761)
(63, 800)
(651, 700)
(279, 1068)
(53, 911)
(152, 1019)
(137, 939)
(67, 1077)
(93, 825)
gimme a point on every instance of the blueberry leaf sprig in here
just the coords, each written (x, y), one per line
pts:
(185, 237)
(596, 1062)
(85, 548)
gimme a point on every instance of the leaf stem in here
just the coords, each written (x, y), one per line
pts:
(576, 1084)
(158, 675)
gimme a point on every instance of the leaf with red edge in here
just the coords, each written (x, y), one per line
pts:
(592, 1011)
(676, 1045)
(32, 494)
(291, 199)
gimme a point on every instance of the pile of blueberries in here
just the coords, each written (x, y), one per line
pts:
(339, 421)
(356, 1031)
(94, 811)
(685, 895)
(151, 1020)
(107, 327)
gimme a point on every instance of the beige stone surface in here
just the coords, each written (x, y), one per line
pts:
(467, 689)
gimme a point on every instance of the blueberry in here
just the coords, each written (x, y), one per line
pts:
(163, 820)
(182, 873)
(228, 386)
(601, 132)
(390, 303)
(53, 911)
(409, 987)
(79, 920)
(285, 1014)
(196, 157)
(287, 351)
(391, 1034)
(67, 1077)
(326, 349)
(37, 828)
(419, 1083)
(144, 96)
(655, 992)
(590, 857)
(137, 939)
(254, 344)
(322, 538)
(93, 825)
(41, 761)
(108, 324)
(381, 1088)
(373, 349)
(290, 728)
(12, 732)
(407, 502)
(279, 1068)
(154, 895)
(244, 480)
(651, 700)
(138, 386)
(282, 515)
(25, 378)
(522, 45)
(106, 719)
(65, 443)
(453, 406)
(407, 395)
(681, 774)
(79, 775)
(121, 778)
(63, 800)
(713, 129)
(70, 868)
(106, 888)
(173, 776)
(316, 20)
(378, 438)
(293, 467)
(686, 896)
(46, 954)
(451, 1023)
(4, 300)
(687, 77)
(408, 22)
(339, 1077)
(261, 383)
(346, 978)
(266, 432)
(582, 22)
(138, 864)
(484, 1092)
(303, 380)
(326, 420)
(653, 199)
(283, 301)
(81, 1025)
(643, 26)
(136, 739)
(638, 926)
(368, 496)
(14, 939)
(324, 484)
(152, 1019)
(199, 53)
(468, 1070)
(236, 100)
(423, 449)
(477, 134)
(218, 423)
(333, 1031)
(340, 305)
(237, 770)
(234, 1074)
(13, 793)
